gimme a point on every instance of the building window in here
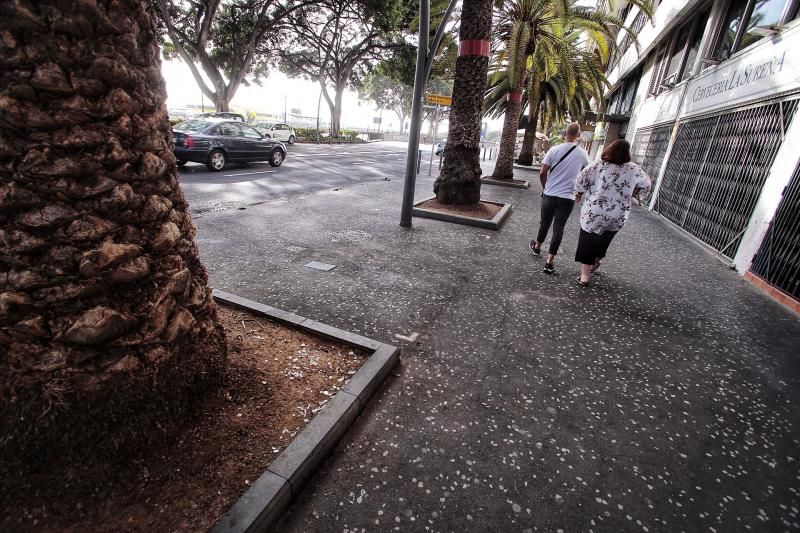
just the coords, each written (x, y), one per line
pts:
(730, 28)
(655, 73)
(623, 14)
(675, 60)
(673, 71)
(693, 49)
(621, 100)
(627, 40)
(748, 21)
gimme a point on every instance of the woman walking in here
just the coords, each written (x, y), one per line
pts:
(609, 183)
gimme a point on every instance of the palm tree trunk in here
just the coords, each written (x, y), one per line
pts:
(526, 152)
(460, 179)
(504, 168)
(106, 321)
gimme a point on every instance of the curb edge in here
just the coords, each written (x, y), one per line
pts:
(264, 503)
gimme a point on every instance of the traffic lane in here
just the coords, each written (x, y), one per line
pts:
(307, 169)
(297, 156)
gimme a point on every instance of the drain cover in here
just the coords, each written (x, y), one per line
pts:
(325, 267)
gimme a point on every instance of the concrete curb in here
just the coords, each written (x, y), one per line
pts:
(507, 183)
(527, 167)
(494, 224)
(262, 505)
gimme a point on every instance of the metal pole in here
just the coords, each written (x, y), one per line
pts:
(284, 108)
(416, 114)
(437, 39)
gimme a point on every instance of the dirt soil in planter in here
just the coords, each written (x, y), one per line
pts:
(277, 379)
(483, 210)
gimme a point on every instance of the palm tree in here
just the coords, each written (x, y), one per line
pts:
(558, 26)
(524, 26)
(570, 90)
(106, 322)
(460, 179)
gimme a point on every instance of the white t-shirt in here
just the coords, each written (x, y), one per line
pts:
(561, 180)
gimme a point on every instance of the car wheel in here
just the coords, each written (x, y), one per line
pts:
(291, 139)
(216, 160)
(181, 163)
(276, 158)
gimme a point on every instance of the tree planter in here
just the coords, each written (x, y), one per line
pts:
(513, 183)
(535, 166)
(423, 209)
(263, 504)
(283, 370)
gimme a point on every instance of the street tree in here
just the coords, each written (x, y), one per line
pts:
(107, 325)
(563, 100)
(460, 179)
(559, 86)
(552, 29)
(334, 42)
(387, 93)
(227, 40)
(390, 84)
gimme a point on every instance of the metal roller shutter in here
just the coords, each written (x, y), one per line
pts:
(778, 260)
(717, 168)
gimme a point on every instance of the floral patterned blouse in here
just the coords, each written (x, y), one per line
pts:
(607, 190)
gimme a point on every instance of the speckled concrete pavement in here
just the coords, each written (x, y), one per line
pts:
(664, 398)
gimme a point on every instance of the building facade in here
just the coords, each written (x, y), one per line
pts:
(707, 95)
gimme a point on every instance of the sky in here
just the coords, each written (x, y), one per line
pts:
(182, 90)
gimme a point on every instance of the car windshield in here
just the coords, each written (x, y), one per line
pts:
(193, 126)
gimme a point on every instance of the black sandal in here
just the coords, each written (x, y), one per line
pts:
(595, 267)
(582, 283)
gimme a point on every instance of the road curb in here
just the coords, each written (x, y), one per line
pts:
(262, 505)
(493, 224)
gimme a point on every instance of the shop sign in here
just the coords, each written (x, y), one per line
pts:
(769, 68)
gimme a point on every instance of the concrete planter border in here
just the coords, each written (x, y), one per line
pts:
(494, 223)
(519, 184)
(535, 166)
(270, 495)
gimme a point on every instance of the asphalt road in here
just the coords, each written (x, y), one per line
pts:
(307, 168)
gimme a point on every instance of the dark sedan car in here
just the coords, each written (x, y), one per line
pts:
(218, 142)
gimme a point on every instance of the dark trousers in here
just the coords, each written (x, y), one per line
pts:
(593, 246)
(555, 211)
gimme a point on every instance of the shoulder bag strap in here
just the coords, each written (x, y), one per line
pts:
(563, 158)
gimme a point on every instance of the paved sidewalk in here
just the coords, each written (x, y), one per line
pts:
(664, 398)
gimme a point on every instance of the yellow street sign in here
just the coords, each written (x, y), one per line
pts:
(439, 99)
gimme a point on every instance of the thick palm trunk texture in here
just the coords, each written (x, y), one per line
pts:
(106, 322)
(460, 179)
(504, 168)
(526, 151)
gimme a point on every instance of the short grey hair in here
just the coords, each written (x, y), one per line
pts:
(573, 129)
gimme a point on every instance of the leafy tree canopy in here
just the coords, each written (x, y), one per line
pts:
(231, 41)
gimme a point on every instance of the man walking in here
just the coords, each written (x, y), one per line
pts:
(560, 168)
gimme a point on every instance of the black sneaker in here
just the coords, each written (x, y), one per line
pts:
(536, 251)
(549, 268)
